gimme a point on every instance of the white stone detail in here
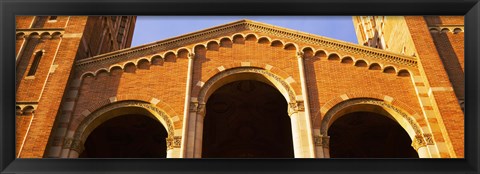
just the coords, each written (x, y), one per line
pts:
(200, 83)
(154, 101)
(268, 67)
(388, 99)
(289, 80)
(178, 131)
(175, 118)
(112, 99)
(299, 97)
(86, 113)
(194, 99)
(245, 63)
(52, 69)
(417, 79)
(221, 68)
(344, 97)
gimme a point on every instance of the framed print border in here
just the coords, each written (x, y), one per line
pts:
(11, 8)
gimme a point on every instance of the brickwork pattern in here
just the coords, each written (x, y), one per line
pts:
(436, 75)
(333, 74)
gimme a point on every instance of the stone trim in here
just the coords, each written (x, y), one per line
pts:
(333, 111)
(215, 78)
(242, 25)
(88, 120)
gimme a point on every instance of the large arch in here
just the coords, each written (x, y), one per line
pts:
(247, 118)
(245, 73)
(197, 110)
(419, 138)
(116, 109)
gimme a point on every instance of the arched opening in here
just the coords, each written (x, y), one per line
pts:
(364, 134)
(127, 136)
(247, 119)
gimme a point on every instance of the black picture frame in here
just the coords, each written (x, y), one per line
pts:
(10, 8)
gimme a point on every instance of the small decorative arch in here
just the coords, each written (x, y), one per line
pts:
(264, 40)
(291, 46)
(170, 56)
(238, 39)
(347, 60)
(101, 72)
(183, 52)
(375, 66)
(390, 70)
(403, 73)
(213, 46)
(115, 70)
(251, 37)
(333, 56)
(226, 42)
(321, 54)
(156, 60)
(308, 52)
(129, 67)
(361, 63)
(277, 43)
(143, 63)
(457, 30)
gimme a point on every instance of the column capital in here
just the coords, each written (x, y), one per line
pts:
(300, 54)
(191, 55)
(418, 142)
(174, 142)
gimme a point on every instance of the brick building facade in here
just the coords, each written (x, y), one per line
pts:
(243, 89)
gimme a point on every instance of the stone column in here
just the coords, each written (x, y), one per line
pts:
(304, 112)
(326, 146)
(302, 143)
(199, 131)
(317, 139)
(71, 148)
(186, 110)
(420, 146)
(173, 147)
(20, 38)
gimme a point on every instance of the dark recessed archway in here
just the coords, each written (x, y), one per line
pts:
(127, 136)
(247, 119)
(369, 135)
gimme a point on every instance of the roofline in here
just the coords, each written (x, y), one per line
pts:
(246, 24)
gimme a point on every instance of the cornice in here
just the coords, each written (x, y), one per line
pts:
(238, 26)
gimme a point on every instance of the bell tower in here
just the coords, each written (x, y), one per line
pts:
(438, 44)
(46, 49)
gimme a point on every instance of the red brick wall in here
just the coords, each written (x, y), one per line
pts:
(23, 21)
(48, 105)
(328, 79)
(30, 89)
(165, 82)
(433, 69)
(21, 122)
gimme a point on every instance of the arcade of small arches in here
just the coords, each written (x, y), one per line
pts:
(391, 65)
(228, 119)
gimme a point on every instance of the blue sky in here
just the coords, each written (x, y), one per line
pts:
(154, 28)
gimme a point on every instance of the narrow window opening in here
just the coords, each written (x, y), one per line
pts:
(35, 63)
(52, 18)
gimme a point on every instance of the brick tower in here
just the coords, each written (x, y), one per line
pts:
(438, 43)
(46, 49)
